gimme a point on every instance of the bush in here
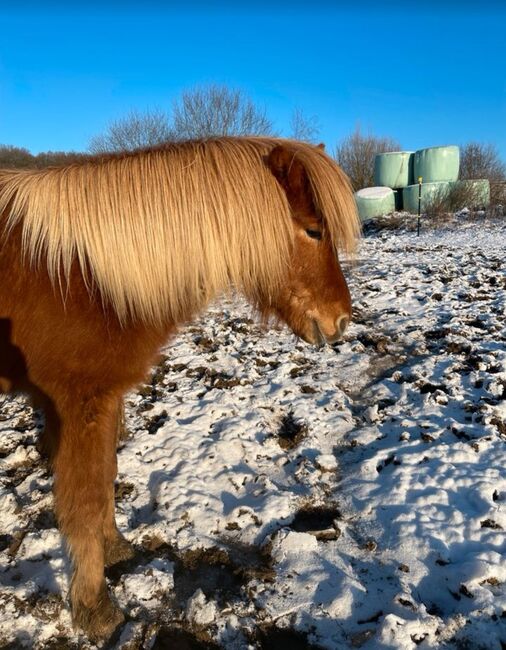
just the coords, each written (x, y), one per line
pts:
(458, 197)
(355, 154)
(478, 160)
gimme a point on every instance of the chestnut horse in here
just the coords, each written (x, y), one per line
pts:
(102, 260)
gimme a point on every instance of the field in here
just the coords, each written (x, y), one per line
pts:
(352, 496)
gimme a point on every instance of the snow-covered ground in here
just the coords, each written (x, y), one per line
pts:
(353, 496)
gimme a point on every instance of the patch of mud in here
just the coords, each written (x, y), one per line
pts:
(175, 638)
(210, 570)
(220, 573)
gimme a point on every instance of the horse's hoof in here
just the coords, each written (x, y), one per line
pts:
(118, 550)
(100, 621)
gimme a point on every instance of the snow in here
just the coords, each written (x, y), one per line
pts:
(374, 192)
(354, 495)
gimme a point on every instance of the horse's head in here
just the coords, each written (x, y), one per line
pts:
(314, 300)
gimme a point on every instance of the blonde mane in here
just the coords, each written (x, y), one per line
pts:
(159, 232)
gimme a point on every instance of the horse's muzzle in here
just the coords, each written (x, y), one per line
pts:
(320, 338)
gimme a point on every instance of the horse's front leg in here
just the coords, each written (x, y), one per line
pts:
(84, 473)
(116, 547)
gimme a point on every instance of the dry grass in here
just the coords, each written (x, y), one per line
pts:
(458, 197)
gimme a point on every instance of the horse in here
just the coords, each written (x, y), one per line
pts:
(102, 260)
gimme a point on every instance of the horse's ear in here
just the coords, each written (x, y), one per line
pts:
(290, 173)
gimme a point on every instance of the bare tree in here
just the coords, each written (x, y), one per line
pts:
(304, 128)
(356, 153)
(218, 110)
(134, 131)
(479, 160)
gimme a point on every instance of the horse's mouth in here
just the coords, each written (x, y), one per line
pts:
(319, 339)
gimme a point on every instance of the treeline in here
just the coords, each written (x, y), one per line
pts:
(12, 157)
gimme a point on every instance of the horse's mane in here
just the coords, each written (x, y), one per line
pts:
(161, 231)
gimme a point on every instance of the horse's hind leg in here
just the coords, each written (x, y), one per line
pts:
(116, 547)
(83, 479)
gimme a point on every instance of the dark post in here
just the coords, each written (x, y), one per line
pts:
(419, 204)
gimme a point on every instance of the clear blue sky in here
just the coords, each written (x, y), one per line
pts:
(425, 73)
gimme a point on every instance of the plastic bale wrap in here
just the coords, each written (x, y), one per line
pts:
(430, 191)
(437, 164)
(478, 190)
(394, 169)
(374, 202)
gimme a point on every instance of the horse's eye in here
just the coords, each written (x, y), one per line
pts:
(314, 234)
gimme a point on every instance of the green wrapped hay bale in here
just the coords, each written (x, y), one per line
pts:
(475, 193)
(394, 169)
(437, 164)
(430, 192)
(374, 202)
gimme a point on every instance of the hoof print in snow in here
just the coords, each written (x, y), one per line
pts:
(406, 603)
(371, 545)
(291, 431)
(156, 422)
(490, 523)
(388, 461)
(321, 522)
(465, 591)
(419, 638)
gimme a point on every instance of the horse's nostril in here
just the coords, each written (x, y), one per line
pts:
(342, 324)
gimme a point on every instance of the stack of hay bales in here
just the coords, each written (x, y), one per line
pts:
(396, 188)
